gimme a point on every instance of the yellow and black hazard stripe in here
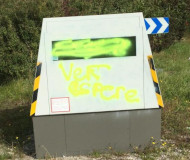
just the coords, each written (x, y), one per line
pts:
(35, 90)
(155, 81)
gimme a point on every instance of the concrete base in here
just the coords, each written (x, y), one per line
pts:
(80, 134)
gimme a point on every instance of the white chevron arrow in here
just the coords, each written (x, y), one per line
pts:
(152, 25)
(164, 25)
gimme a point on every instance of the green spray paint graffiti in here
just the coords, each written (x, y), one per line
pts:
(93, 48)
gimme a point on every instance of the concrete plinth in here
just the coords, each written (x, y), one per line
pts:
(80, 134)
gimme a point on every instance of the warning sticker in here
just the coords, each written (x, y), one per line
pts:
(60, 104)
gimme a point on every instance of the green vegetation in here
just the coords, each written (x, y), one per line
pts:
(5, 156)
(173, 67)
(20, 26)
(15, 93)
(16, 133)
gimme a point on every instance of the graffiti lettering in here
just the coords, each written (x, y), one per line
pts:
(77, 87)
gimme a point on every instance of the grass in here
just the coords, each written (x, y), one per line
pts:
(16, 93)
(5, 156)
(173, 68)
(16, 132)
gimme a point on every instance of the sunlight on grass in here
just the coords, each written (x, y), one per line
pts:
(17, 92)
(173, 67)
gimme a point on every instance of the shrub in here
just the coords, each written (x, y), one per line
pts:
(20, 25)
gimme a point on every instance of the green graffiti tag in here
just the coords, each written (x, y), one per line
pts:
(87, 48)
